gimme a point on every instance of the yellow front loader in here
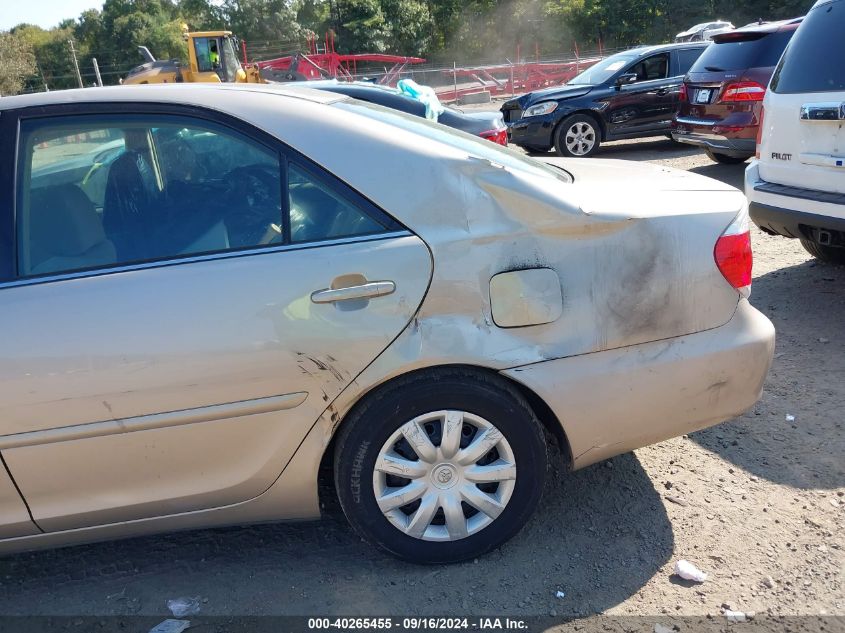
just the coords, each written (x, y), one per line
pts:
(212, 58)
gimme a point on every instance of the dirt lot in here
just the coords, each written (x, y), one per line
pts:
(758, 504)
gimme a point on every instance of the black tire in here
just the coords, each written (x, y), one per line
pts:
(567, 124)
(827, 254)
(724, 158)
(371, 424)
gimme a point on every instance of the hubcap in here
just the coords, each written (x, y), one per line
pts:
(580, 138)
(444, 476)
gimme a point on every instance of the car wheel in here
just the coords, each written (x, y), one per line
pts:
(724, 158)
(578, 136)
(441, 466)
(828, 254)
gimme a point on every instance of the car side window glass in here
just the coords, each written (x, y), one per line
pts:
(651, 68)
(686, 58)
(202, 48)
(110, 190)
(319, 212)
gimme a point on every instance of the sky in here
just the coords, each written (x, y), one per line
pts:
(44, 13)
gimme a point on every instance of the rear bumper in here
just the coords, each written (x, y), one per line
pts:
(801, 215)
(732, 138)
(614, 401)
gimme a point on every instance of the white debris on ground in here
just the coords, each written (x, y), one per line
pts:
(180, 607)
(688, 571)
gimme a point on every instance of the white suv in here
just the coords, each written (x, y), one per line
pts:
(796, 185)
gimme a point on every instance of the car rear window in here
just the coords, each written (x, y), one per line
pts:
(754, 50)
(813, 61)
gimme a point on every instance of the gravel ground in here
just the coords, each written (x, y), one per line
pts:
(756, 502)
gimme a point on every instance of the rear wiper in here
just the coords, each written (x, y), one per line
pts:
(714, 69)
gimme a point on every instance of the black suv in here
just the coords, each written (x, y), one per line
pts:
(628, 95)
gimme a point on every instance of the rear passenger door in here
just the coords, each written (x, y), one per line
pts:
(184, 298)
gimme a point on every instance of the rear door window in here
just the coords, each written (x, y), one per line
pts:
(757, 50)
(813, 61)
(686, 58)
(320, 212)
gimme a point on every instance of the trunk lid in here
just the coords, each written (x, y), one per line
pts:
(656, 229)
(804, 150)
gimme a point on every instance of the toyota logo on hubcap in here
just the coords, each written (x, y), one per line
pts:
(444, 476)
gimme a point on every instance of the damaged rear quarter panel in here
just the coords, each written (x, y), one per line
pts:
(632, 245)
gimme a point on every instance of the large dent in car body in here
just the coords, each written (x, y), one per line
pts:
(634, 256)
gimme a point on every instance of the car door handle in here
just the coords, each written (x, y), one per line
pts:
(662, 91)
(369, 290)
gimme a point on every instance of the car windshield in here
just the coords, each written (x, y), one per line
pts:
(474, 146)
(602, 71)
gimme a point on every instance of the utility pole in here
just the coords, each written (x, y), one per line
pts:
(97, 72)
(75, 63)
(43, 81)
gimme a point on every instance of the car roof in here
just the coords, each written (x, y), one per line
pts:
(705, 25)
(195, 93)
(760, 27)
(659, 48)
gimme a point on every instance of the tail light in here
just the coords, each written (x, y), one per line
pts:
(733, 253)
(760, 132)
(743, 91)
(497, 136)
(683, 95)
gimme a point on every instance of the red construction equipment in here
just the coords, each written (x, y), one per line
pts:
(508, 79)
(451, 84)
(329, 64)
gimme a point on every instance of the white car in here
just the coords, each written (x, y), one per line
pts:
(796, 185)
(263, 281)
(704, 31)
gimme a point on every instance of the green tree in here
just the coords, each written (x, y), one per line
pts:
(272, 21)
(17, 63)
(52, 53)
(360, 25)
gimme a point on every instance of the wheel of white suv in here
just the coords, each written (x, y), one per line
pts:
(441, 466)
(578, 136)
(828, 254)
(724, 158)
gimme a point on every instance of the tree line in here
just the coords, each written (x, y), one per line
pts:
(468, 31)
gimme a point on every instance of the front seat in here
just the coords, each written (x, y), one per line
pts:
(66, 232)
(131, 203)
